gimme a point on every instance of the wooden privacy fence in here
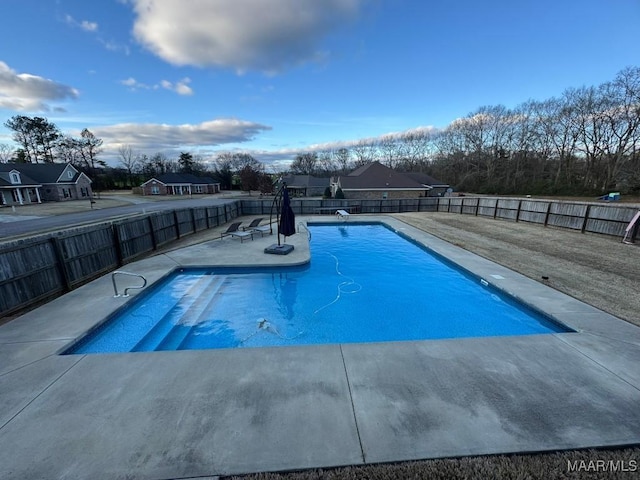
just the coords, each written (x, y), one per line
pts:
(321, 206)
(586, 217)
(43, 267)
(606, 219)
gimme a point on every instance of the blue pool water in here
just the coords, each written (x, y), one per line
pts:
(365, 283)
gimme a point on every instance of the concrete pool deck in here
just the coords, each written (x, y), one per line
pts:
(202, 413)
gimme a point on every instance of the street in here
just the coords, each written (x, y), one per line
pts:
(12, 225)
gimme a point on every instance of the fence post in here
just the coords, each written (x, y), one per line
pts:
(586, 218)
(546, 217)
(177, 224)
(518, 211)
(193, 219)
(60, 262)
(152, 232)
(477, 205)
(117, 244)
(461, 205)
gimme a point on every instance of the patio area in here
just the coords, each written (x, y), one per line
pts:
(184, 414)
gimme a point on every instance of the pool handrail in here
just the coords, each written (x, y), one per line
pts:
(126, 290)
(303, 225)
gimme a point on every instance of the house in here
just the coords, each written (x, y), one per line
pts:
(179, 184)
(24, 183)
(376, 181)
(306, 185)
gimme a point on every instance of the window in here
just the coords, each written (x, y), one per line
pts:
(70, 173)
(65, 192)
(15, 177)
(155, 190)
(197, 188)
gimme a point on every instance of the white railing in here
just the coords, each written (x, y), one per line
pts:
(126, 290)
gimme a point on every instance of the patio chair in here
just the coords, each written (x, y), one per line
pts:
(262, 230)
(232, 229)
(241, 235)
(253, 224)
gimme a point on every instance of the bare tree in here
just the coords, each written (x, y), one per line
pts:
(621, 122)
(223, 170)
(364, 152)
(129, 160)
(389, 148)
(6, 152)
(305, 164)
(326, 163)
(68, 150)
(343, 159)
(90, 149)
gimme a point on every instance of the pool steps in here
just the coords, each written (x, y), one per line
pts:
(189, 306)
(194, 317)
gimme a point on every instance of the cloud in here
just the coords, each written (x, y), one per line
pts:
(29, 93)
(85, 25)
(133, 83)
(181, 87)
(261, 35)
(279, 159)
(153, 137)
(114, 46)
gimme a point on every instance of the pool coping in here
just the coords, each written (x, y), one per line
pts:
(369, 402)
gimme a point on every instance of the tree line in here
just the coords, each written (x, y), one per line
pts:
(232, 170)
(41, 141)
(585, 141)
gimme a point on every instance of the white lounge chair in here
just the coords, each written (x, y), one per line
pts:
(242, 235)
(262, 229)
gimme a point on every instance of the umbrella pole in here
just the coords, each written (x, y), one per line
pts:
(278, 202)
(280, 194)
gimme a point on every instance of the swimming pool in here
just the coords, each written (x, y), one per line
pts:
(365, 283)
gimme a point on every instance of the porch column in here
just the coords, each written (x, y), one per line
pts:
(38, 195)
(20, 196)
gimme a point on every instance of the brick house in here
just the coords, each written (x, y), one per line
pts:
(180, 184)
(24, 183)
(376, 181)
(306, 185)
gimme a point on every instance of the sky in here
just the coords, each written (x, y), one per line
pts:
(274, 78)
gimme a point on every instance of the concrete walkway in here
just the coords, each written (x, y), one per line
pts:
(184, 414)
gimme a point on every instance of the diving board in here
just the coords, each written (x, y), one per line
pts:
(343, 214)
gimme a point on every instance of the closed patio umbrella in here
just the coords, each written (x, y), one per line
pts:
(287, 225)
